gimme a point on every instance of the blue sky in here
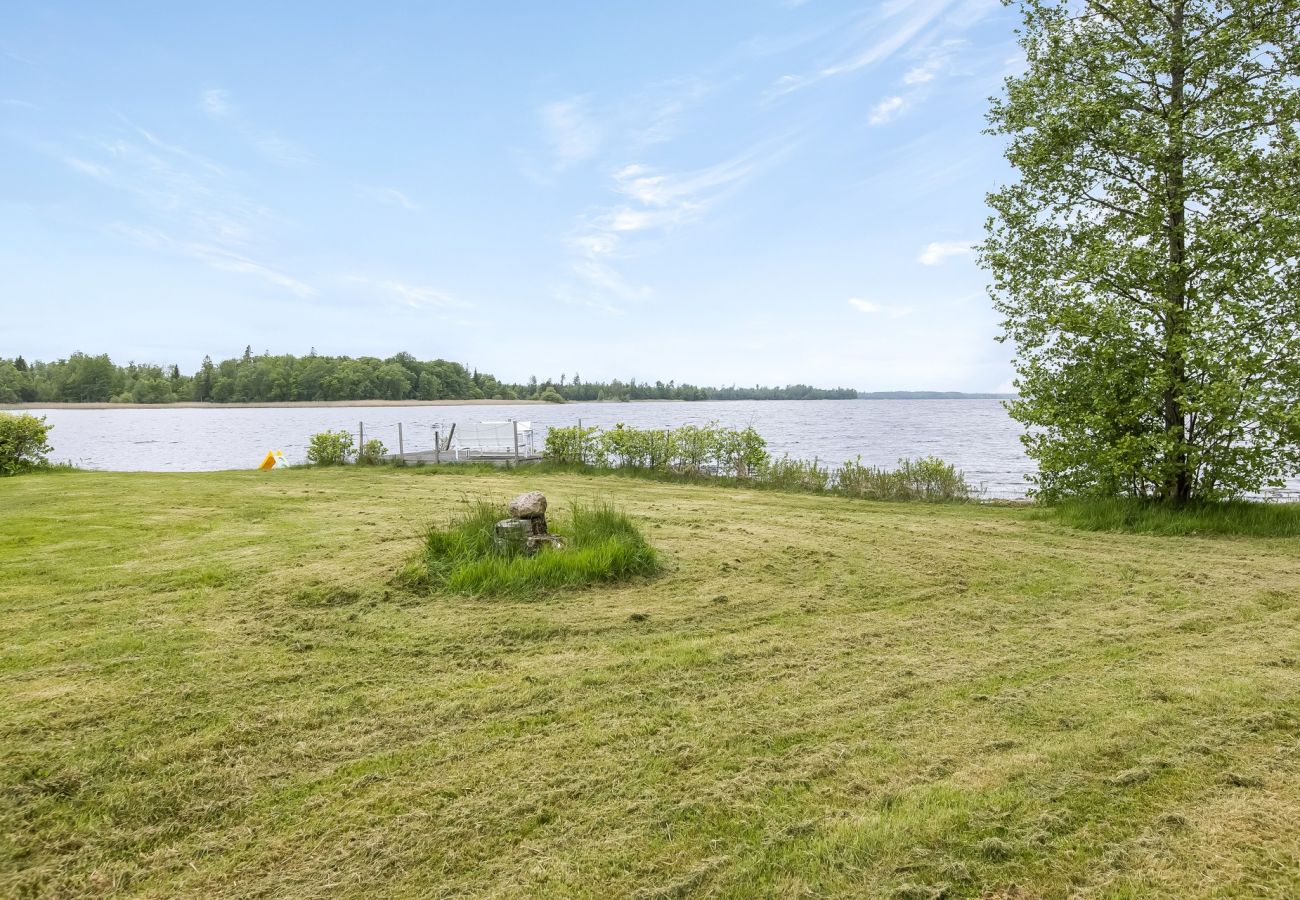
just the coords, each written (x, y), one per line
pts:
(721, 192)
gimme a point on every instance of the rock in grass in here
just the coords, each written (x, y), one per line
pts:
(512, 536)
(531, 505)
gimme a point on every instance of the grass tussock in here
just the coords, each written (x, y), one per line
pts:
(1136, 516)
(601, 544)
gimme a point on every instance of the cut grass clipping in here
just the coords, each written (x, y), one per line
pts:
(601, 545)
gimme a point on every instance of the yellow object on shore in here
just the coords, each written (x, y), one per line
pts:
(269, 462)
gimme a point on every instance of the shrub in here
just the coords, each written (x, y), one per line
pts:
(23, 443)
(928, 479)
(795, 475)
(371, 452)
(574, 446)
(550, 395)
(330, 448)
(715, 452)
(601, 545)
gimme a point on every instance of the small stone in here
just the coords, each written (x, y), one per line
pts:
(512, 536)
(531, 505)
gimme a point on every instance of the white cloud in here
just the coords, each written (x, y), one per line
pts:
(219, 258)
(391, 196)
(887, 110)
(888, 44)
(421, 297)
(922, 73)
(871, 307)
(570, 131)
(936, 252)
(660, 201)
(216, 103)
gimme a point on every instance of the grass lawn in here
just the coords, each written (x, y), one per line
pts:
(211, 685)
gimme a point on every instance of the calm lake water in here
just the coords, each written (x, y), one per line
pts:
(975, 435)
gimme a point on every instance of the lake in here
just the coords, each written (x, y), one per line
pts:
(976, 435)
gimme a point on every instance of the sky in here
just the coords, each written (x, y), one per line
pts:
(729, 192)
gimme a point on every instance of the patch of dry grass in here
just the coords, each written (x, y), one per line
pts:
(211, 685)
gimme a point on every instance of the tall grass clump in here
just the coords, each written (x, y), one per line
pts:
(1237, 517)
(601, 545)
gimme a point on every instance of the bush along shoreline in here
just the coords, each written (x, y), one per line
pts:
(24, 443)
(714, 453)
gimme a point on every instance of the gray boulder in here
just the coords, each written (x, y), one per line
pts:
(531, 505)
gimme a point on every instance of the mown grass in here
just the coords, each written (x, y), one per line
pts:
(601, 545)
(1240, 518)
(210, 685)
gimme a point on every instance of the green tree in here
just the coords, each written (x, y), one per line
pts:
(1145, 262)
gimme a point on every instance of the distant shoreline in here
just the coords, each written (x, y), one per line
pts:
(277, 404)
(343, 404)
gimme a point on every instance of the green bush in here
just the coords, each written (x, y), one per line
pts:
(601, 544)
(928, 479)
(712, 451)
(330, 448)
(550, 395)
(371, 453)
(23, 443)
(574, 446)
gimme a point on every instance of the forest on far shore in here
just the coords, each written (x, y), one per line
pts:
(82, 378)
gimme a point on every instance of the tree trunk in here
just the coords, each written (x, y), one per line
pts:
(1177, 488)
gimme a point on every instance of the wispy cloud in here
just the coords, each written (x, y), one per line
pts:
(570, 131)
(417, 297)
(216, 257)
(217, 103)
(887, 110)
(871, 307)
(20, 104)
(935, 253)
(388, 195)
(655, 202)
(888, 31)
(182, 202)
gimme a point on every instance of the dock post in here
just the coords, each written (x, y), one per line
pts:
(437, 447)
(514, 427)
(361, 435)
(401, 448)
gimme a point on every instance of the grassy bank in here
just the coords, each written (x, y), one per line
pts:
(212, 685)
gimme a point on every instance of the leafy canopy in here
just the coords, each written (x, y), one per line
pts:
(1146, 259)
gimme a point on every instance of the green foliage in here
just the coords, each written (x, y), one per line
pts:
(24, 443)
(1145, 260)
(1131, 515)
(574, 446)
(601, 545)
(928, 479)
(714, 452)
(371, 452)
(286, 378)
(330, 448)
(691, 450)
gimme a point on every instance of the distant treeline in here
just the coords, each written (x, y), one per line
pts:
(82, 378)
